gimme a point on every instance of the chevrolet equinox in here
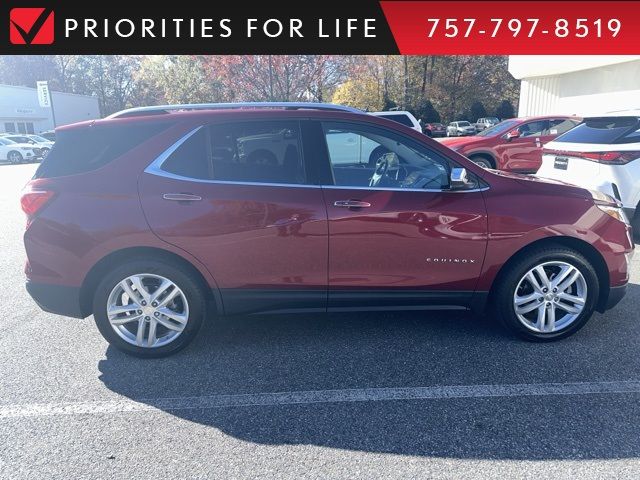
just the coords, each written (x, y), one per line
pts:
(158, 218)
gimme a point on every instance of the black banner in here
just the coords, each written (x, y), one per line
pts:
(194, 27)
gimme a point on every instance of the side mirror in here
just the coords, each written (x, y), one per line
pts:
(459, 177)
(513, 134)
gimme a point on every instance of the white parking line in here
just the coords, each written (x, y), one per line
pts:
(316, 396)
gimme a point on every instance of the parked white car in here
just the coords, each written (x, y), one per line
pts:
(601, 153)
(39, 142)
(400, 116)
(13, 152)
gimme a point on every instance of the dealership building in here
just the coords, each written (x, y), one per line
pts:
(20, 111)
(576, 85)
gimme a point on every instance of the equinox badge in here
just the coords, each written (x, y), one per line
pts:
(450, 260)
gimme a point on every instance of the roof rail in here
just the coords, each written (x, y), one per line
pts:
(162, 109)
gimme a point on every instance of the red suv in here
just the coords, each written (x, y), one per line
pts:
(155, 219)
(514, 145)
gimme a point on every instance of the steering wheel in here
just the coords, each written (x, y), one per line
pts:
(382, 165)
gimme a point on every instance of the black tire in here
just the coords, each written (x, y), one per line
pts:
(635, 225)
(189, 285)
(482, 161)
(504, 291)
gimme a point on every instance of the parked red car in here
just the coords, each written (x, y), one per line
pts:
(157, 218)
(514, 145)
(435, 129)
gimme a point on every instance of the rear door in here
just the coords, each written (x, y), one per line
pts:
(237, 197)
(398, 237)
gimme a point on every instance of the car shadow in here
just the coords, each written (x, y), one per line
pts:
(258, 354)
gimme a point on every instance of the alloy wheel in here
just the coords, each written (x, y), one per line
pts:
(147, 310)
(550, 297)
(14, 157)
(482, 163)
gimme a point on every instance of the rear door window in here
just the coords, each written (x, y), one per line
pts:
(604, 130)
(262, 152)
(250, 152)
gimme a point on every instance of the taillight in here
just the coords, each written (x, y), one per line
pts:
(611, 158)
(33, 199)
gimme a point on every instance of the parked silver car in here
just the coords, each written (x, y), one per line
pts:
(460, 129)
(486, 122)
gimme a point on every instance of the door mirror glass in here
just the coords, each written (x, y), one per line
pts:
(513, 134)
(459, 177)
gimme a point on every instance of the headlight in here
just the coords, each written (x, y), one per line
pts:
(602, 197)
(615, 212)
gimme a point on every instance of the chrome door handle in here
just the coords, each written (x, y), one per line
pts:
(351, 204)
(181, 197)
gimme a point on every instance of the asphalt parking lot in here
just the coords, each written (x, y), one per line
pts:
(389, 395)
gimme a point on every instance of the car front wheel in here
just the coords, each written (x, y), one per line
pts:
(149, 308)
(548, 294)
(481, 161)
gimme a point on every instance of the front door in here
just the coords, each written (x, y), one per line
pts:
(398, 236)
(236, 197)
(524, 153)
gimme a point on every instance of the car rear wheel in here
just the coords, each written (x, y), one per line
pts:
(548, 294)
(149, 308)
(14, 157)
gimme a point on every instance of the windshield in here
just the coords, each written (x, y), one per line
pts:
(6, 141)
(499, 129)
(38, 138)
(463, 124)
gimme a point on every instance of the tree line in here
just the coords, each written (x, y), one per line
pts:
(434, 88)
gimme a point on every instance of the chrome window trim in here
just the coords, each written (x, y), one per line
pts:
(156, 165)
(155, 168)
(161, 173)
(389, 189)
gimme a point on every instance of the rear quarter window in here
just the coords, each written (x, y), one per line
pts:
(603, 130)
(85, 149)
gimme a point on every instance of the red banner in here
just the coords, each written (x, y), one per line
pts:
(516, 27)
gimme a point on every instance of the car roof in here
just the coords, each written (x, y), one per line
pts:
(392, 112)
(633, 112)
(544, 117)
(223, 115)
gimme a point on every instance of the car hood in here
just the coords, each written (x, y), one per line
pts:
(460, 141)
(535, 182)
